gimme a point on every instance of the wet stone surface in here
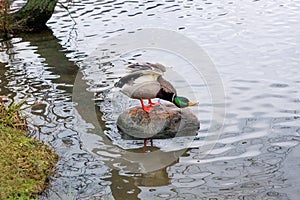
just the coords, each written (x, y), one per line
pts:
(164, 121)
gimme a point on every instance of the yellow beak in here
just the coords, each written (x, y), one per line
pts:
(192, 103)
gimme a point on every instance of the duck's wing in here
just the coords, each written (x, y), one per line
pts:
(148, 66)
(140, 84)
(128, 79)
(166, 85)
(137, 78)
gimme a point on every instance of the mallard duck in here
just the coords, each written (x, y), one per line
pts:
(147, 83)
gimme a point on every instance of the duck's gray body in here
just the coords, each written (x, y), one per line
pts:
(145, 84)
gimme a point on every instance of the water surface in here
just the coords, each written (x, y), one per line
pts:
(255, 48)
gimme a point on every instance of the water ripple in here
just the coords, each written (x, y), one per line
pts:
(254, 45)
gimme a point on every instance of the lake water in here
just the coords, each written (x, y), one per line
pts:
(246, 81)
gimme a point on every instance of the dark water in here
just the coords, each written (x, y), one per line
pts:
(254, 46)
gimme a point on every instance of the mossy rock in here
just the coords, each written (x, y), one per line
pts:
(164, 121)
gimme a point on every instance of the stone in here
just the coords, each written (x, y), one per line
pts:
(164, 121)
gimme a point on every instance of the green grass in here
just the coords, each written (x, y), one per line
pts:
(25, 163)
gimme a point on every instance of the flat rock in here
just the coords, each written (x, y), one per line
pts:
(164, 121)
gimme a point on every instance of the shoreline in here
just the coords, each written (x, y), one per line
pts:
(26, 164)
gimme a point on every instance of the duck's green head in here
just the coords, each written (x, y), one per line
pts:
(182, 102)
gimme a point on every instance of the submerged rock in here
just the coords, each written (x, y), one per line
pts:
(164, 121)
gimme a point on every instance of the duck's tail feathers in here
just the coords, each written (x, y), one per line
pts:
(148, 66)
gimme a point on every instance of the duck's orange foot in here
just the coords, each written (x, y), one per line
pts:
(153, 104)
(147, 108)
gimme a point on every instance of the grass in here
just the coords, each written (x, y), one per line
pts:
(25, 163)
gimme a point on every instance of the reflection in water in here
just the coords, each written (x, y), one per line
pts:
(3, 81)
(254, 45)
(129, 185)
(123, 186)
(37, 69)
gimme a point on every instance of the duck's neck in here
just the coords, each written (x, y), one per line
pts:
(168, 96)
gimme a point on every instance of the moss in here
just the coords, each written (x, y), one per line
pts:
(25, 163)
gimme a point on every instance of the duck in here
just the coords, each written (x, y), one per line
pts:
(146, 82)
